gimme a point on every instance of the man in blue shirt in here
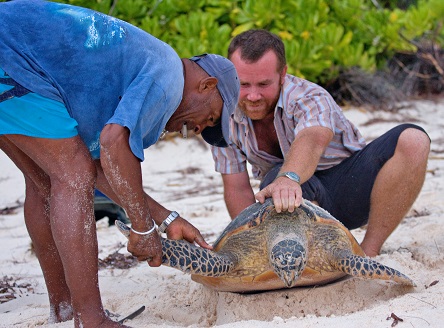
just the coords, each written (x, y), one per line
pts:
(82, 95)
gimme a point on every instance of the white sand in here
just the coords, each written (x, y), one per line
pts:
(180, 175)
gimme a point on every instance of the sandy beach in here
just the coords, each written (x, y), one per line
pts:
(179, 174)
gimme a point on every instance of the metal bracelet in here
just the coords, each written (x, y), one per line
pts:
(147, 232)
(164, 225)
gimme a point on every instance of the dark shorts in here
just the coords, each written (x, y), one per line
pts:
(345, 189)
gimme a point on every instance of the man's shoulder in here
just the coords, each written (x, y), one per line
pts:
(296, 84)
(296, 90)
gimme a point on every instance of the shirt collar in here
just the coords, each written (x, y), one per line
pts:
(239, 116)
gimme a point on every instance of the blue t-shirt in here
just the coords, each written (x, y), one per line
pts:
(103, 69)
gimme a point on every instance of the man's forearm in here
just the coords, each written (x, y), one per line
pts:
(306, 151)
(237, 202)
(123, 173)
(238, 193)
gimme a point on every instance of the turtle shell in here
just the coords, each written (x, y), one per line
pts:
(246, 238)
(248, 218)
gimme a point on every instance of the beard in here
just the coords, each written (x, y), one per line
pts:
(257, 110)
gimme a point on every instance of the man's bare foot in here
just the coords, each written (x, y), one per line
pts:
(60, 313)
(106, 322)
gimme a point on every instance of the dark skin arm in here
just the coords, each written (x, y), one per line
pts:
(120, 178)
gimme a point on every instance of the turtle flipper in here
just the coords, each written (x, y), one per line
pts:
(189, 258)
(123, 228)
(365, 267)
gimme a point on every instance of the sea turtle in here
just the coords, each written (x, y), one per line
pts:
(264, 250)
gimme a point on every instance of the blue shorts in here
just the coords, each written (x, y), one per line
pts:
(345, 189)
(27, 113)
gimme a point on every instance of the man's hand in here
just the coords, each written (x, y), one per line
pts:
(146, 248)
(182, 229)
(303, 158)
(286, 194)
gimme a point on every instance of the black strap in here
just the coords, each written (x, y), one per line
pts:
(17, 91)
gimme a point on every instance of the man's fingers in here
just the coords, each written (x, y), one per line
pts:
(294, 200)
(199, 240)
(284, 198)
(202, 243)
(291, 203)
(277, 204)
(284, 195)
(260, 196)
(144, 258)
(189, 233)
(154, 261)
(298, 200)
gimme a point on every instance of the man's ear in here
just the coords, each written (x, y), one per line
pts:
(207, 83)
(283, 73)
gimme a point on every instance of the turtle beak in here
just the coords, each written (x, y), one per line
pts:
(289, 278)
(288, 259)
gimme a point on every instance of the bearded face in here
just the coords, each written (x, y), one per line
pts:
(260, 84)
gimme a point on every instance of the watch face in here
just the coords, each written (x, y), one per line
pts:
(293, 176)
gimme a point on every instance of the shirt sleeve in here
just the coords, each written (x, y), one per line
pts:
(315, 109)
(146, 113)
(229, 160)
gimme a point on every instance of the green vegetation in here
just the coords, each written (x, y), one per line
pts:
(322, 37)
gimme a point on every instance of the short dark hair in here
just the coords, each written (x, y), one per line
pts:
(253, 44)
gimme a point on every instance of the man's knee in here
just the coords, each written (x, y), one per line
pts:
(78, 175)
(414, 144)
(38, 185)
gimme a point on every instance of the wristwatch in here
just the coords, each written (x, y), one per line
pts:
(291, 175)
(164, 225)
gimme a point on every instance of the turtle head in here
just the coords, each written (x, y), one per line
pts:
(288, 258)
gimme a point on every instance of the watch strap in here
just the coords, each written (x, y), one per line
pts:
(291, 175)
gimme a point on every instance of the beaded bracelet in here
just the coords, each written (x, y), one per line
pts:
(147, 232)
(170, 218)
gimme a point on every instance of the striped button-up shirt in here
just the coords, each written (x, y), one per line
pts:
(301, 104)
